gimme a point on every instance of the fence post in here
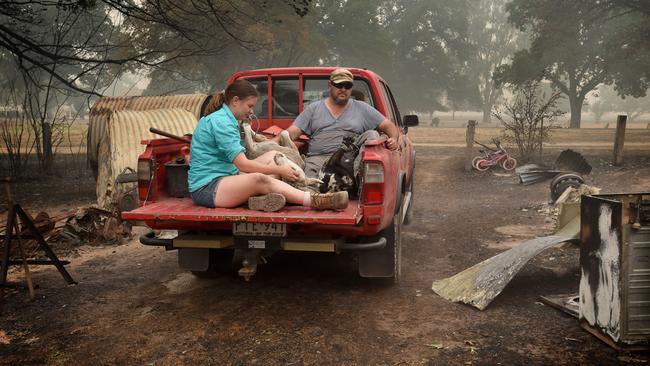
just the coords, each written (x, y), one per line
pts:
(619, 139)
(469, 139)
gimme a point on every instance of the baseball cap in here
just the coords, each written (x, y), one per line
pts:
(341, 75)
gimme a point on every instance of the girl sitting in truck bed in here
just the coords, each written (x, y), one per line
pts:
(220, 174)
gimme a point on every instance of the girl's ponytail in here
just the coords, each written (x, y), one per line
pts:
(239, 88)
(215, 103)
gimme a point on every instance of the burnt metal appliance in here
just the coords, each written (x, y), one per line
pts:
(615, 265)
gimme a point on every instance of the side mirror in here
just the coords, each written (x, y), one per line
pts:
(411, 120)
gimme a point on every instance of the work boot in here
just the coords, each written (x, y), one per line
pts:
(329, 201)
(270, 202)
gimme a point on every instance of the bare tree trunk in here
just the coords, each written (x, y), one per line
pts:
(619, 139)
(576, 111)
(48, 157)
(469, 140)
(487, 113)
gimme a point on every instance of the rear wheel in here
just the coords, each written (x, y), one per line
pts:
(509, 163)
(482, 165)
(408, 216)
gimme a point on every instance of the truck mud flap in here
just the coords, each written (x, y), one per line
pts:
(376, 264)
(374, 259)
(194, 259)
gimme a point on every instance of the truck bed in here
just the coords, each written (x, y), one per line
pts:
(184, 210)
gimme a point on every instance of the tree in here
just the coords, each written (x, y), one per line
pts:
(607, 100)
(494, 41)
(67, 48)
(41, 79)
(528, 118)
(414, 45)
(276, 36)
(117, 33)
(578, 46)
(17, 140)
(430, 54)
(356, 34)
(422, 68)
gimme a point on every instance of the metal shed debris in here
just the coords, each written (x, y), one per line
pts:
(121, 146)
(100, 115)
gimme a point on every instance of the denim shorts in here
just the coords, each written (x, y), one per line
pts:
(204, 196)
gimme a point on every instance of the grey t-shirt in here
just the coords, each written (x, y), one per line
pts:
(326, 133)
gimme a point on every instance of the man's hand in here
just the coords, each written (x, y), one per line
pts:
(391, 143)
(390, 129)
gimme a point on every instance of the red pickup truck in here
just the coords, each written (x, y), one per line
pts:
(210, 241)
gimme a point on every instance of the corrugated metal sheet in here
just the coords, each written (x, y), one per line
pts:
(121, 146)
(101, 111)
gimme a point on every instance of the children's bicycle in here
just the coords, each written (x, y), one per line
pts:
(492, 157)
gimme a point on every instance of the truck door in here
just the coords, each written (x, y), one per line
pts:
(407, 151)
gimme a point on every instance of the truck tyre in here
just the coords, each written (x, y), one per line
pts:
(220, 263)
(387, 262)
(408, 216)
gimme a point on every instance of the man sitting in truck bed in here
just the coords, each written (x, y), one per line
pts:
(328, 121)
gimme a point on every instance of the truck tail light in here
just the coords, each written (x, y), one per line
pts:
(373, 183)
(145, 169)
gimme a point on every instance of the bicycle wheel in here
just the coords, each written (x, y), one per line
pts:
(483, 165)
(509, 163)
(475, 161)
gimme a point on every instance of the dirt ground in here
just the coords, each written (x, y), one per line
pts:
(133, 305)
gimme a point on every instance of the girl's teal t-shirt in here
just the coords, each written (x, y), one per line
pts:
(216, 142)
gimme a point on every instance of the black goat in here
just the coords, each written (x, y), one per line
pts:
(337, 174)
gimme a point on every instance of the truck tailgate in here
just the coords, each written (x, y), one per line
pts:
(184, 210)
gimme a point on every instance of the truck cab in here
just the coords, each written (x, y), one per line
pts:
(213, 240)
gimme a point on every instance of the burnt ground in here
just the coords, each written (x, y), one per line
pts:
(133, 305)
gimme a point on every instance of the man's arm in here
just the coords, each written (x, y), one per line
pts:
(389, 128)
(294, 133)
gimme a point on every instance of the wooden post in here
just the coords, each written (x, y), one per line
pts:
(619, 139)
(469, 150)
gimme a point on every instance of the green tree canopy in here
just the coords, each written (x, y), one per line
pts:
(578, 45)
(494, 41)
(607, 100)
(420, 47)
(431, 53)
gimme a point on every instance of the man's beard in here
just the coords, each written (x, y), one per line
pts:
(338, 101)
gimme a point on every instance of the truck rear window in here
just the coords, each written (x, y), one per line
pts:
(286, 100)
(262, 85)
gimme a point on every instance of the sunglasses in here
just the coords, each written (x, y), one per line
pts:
(345, 84)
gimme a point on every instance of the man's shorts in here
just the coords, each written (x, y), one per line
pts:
(205, 195)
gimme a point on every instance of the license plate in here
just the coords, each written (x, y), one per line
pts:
(259, 229)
